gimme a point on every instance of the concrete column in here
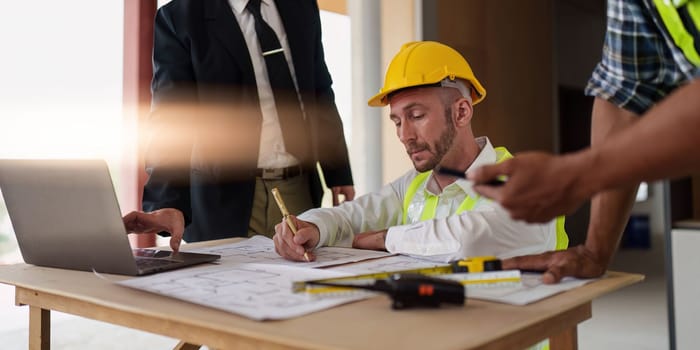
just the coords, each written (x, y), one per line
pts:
(367, 77)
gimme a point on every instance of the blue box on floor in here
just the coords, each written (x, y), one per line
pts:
(637, 233)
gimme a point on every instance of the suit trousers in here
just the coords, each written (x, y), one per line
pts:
(295, 192)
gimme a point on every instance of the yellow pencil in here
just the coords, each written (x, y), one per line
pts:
(285, 215)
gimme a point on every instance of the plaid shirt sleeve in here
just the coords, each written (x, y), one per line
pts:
(638, 68)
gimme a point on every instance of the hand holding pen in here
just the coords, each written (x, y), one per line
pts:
(287, 218)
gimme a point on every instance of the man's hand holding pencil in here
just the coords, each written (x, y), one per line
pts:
(297, 246)
(293, 237)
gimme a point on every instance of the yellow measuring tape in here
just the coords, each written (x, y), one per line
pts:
(487, 279)
(472, 265)
(478, 279)
(301, 286)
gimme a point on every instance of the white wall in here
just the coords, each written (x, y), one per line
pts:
(60, 85)
(686, 286)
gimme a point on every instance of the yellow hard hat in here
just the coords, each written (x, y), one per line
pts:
(424, 63)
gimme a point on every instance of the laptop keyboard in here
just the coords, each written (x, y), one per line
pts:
(145, 263)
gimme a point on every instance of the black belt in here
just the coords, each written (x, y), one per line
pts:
(278, 173)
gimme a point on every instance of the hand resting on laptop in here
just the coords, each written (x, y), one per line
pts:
(167, 219)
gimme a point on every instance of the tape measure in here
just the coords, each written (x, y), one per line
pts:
(477, 264)
(300, 286)
(492, 279)
(412, 290)
(476, 271)
(487, 279)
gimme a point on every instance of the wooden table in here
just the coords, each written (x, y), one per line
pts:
(368, 324)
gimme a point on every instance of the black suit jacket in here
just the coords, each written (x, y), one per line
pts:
(204, 130)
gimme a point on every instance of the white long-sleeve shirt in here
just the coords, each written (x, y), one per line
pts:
(485, 230)
(273, 153)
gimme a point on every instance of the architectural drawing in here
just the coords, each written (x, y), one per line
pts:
(253, 281)
(261, 250)
(391, 263)
(531, 290)
(256, 291)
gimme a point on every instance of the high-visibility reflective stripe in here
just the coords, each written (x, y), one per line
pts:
(678, 32)
(543, 345)
(467, 204)
(430, 203)
(411, 192)
(562, 237)
(429, 208)
(693, 9)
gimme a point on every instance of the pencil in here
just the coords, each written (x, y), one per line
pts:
(462, 175)
(285, 215)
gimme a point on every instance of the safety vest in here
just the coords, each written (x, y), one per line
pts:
(430, 202)
(681, 18)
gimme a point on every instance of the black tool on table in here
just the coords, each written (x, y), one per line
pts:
(462, 175)
(412, 290)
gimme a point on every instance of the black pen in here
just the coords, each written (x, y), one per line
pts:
(462, 175)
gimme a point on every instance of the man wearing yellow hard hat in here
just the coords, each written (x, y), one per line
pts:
(431, 90)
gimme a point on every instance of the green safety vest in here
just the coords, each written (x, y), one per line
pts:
(431, 201)
(682, 21)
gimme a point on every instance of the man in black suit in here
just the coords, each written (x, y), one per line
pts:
(222, 131)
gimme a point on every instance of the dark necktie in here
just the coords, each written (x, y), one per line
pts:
(286, 99)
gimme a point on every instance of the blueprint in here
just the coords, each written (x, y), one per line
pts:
(391, 263)
(260, 249)
(529, 291)
(256, 291)
(253, 281)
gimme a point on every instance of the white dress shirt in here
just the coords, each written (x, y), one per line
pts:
(485, 230)
(272, 154)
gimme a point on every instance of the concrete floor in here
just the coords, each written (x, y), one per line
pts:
(633, 318)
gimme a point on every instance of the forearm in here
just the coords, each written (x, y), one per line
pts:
(338, 225)
(168, 167)
(333, 226)
(663, 144)
(488, 232)
(609, 209)
(162, 194)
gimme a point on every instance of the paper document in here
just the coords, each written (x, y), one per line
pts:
(388, 264)
(261, 250)
(531, 290)
(253, 281)
(256, 291)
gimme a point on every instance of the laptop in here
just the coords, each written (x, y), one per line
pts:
(65, 214)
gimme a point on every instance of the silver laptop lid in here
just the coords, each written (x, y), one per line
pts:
(65, 214)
